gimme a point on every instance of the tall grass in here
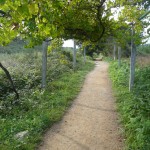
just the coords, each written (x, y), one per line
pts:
(134, 107)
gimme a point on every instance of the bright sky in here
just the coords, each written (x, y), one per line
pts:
(68, 43)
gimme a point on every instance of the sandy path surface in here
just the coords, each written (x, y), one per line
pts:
(91, 122)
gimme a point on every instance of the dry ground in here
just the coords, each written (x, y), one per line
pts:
(143, 61)
(91, 122)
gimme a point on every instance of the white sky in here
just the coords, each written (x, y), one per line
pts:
(68, 43)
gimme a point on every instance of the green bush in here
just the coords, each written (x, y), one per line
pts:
(134, 107)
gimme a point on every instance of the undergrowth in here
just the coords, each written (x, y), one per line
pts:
(134, 107)
(144, 49)
(37, 109)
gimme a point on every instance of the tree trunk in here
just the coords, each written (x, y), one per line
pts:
(44, 63)
(119, 56)
(74, 55)
(132, 62)
(10, 80)
(84, 55)
(114, 52)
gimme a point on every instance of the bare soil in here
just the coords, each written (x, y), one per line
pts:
(91, 123)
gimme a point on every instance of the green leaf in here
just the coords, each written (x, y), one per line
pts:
(2, 1)
(33, 9)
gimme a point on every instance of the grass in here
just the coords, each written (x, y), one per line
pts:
(134, 107)
(36, 109)
(144, 49)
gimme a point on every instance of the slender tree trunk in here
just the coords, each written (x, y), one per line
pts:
(114, 52)
(74, 55)
(84, 55)
(10, 80)
(119, 56)
(44, 63)
(132, 62)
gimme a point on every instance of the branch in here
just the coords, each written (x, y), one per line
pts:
(10, 79)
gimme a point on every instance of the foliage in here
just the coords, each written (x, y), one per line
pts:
(133, 106)
(146, 3)
(55, 44)
(144, 49)
(87, 21)
(38, 20)
(97, 56)
(129, 13)
(18, 46)
(36, 109)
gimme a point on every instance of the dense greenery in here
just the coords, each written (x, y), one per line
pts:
(134, 107)
(144, 49)
(17, 46)
(86, 21)
(36, 109)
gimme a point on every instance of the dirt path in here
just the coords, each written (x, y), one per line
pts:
(91, 122)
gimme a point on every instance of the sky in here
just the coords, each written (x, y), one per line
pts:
(68, 43)
(145, 30)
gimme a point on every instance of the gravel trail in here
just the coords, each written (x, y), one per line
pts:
(91, 123)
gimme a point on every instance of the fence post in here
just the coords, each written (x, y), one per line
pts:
(44, 63)
(132, 61)
(119, 56)
(84, 55)
(114, 52)
(74, 55)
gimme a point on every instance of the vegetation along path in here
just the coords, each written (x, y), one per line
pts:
(91, 122)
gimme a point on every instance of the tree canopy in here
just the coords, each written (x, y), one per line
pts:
(85, 20)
